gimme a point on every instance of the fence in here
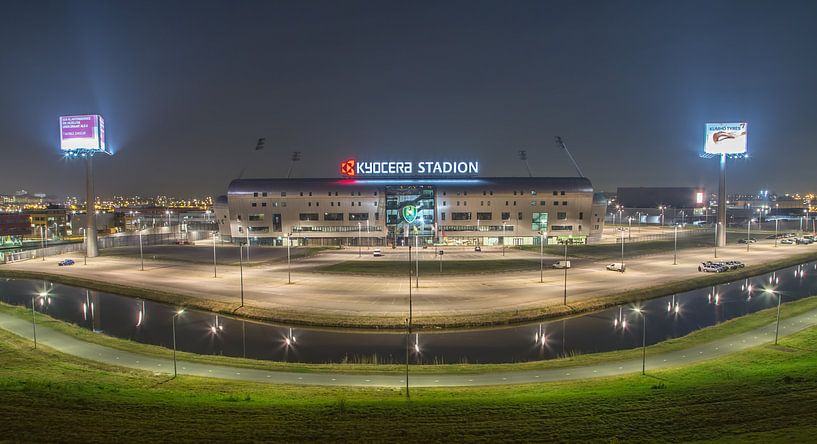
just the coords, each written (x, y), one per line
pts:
(114, 241)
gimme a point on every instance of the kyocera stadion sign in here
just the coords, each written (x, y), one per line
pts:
(354, 168)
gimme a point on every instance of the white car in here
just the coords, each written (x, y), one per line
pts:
(712, 268)
(377, 253)
(616, 266)
(788, 240)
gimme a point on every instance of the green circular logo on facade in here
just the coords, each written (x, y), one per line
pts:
(409, 213)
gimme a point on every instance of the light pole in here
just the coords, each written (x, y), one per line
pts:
(289, 259)
(629, 228)
(141, 256)
(416, 259)
(503, 239)
(368, 236)
(675, 251)
(42, 240)
(541, 257)
(175, 315)
(34, 321)
(748, 232)
(622, 247)
(408, 331)
(359, 251)
(565, 267)
(241, 270)
(215, 269)
(643, 339)
(775, 232)
(84, 246)
(777, 326)
(716, 225)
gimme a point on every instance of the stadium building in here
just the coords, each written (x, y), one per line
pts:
(382, 203)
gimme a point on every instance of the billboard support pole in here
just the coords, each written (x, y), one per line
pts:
(90, 210)
(722, 203)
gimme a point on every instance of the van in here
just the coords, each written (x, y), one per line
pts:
(616, 266)
(561, 264)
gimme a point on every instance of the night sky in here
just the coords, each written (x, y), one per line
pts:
(187, 88)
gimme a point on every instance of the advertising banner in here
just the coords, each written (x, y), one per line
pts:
(725, 138)
(82, 133)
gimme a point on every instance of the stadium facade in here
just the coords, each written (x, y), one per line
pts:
(442, 209)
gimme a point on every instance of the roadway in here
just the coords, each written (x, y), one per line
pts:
(106, 355)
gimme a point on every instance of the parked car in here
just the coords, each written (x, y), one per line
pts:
(65, 262)
(183, 242)
(377, 252)
(804, 240)
(712, 268)
(789, 241)
(750, 240)
(561, 264)
(477, 248)
(616, 266)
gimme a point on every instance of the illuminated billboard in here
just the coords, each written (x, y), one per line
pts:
(354, 168)
(85, 133)
(725, 138)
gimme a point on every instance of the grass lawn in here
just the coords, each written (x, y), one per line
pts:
(449, 267)
(764, 395)
(708, 334)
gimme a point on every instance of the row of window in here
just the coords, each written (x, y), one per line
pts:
(336, 216)
(309, 193)
(317, 204)
(508, 203)
(335, 229)
(456, 215)
(458, 193)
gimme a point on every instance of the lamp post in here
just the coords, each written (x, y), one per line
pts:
(368, 236)
(408, 325)
(175, 315)
(503, 238)
(777, 326)
(34, 321)
(141, 256)
(675, 251)
(289, 259)
(241, 270)
(359, 252)
(717, 224)
(775, 232)
(565, 267)
(643, 339)
(622, 246)
(629, 228)
(541, 257)
(84, 246)
(748, 232)
(416, 259)
(215, 269)
(42, 240)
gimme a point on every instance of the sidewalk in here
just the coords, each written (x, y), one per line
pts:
(85, 350)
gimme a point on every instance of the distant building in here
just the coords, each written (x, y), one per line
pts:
(13, 227)
(662, 205)
(53, 220)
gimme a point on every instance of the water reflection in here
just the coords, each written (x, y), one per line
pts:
(201, 332)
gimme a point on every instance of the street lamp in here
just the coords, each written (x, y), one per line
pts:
(408, 325)
(748, 232)
(359, 252)
(622, 246)
(643, 339)
(42, 240)
(289, 260)
(716, 238)
(34, 321)
(541, 257)
(175, 315)
(775, 232)
(675, 251)
(416, 259)
(629, 227)
(241, 270)
(503, 238)
(215, 269)
(565, 267)
(141, 256)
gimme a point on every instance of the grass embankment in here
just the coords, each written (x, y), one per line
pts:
(473, 320)
(172, 253)
(702, 336)
(764, 395)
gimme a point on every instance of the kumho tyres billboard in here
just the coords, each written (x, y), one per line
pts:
(82, 133)
(725, 138)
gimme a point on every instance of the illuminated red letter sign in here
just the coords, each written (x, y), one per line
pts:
(348, 168)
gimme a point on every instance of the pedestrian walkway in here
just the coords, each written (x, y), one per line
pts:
(94, 352)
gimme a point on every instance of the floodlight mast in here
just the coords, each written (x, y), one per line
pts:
(90, 208)
(561, 143)
(722, 203)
